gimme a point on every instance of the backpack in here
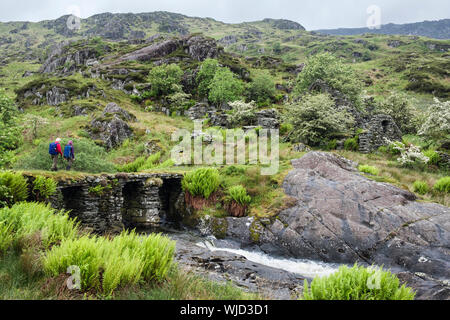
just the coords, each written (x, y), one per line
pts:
(68, 152)
(52, 149)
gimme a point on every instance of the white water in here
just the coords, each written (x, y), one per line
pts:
(306, 268)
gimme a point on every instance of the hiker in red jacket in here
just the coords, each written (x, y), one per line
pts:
(55, 150)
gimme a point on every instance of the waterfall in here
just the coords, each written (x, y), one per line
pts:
(304, 267)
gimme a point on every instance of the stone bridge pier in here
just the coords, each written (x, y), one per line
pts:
(111, 202)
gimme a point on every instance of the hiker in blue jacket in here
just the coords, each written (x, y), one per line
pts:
(69, 154)
(54, 150)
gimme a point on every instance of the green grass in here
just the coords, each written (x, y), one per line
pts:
(443, 185)
(369, 169)
(421, 187)
(201, 182)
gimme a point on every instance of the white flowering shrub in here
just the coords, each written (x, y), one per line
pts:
(409, 154)
(437, 120)
(242, 113)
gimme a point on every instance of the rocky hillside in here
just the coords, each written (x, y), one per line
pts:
(432, 29)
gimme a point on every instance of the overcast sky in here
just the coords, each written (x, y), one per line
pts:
(312, 14)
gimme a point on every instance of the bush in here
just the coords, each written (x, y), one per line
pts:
(89, 158)
(242, 113)
(421, 187)
(442, 185)
(43, 188)
(334, 72)
(357, 283)
(351, 144)
(10, 133)
(437, 121)
(26, 219)
(225, 87)
(315, 119)
(201, 182)
(239, 195)
(13, 188)
(165, 79)
(107, 264)
(205, 76)
(368, 169)
(141, 163)
(433, 156)
(262, 88)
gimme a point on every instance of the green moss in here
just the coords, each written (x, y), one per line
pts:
(219, 227)
(256, 229)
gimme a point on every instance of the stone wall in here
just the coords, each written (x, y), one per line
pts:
(111, 202)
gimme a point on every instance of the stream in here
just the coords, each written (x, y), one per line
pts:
(249, 268)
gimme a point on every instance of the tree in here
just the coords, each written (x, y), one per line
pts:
(333, 72)
(165, 79)
(262, 88)
(316, 121)
(437, 121)
(205, 75)
(225, 87)
(400, 108)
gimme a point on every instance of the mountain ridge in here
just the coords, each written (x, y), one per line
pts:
(437, 29)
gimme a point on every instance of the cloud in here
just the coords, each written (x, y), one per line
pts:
(313, 14)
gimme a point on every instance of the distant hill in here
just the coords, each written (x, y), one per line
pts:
(432, 29)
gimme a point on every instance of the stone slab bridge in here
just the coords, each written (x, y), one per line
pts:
(112, 202)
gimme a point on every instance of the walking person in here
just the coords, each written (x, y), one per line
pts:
(69, 155)
(55, 150)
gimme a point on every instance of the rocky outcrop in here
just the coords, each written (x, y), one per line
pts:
(197, 47)
(284, 24)
(111, 128)
(268, 119)
(62, 60)
(340, 216)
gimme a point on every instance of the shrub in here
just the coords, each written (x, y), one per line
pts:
(433, 156)
(89, 158)
(13, 188)
(315, 119)
(262, 88)
(443, 185)
(333, 72)
(234, 170)
(107, 264)
(242, 113)
(10, 133)
(43, 188)
(205, 75)
(201, 182)
(421, 187)
(165, 79)
(239, 195)
(437, 121)
(368, 169)
(410, 155)
(286, 128)
(27, 219)
(225, 87)
(141, 163)
(351, 144)
(357, 283)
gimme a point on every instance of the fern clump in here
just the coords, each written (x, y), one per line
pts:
(13, 188)
(357, 283)
(107, 264)
(6, 236)
(26, 219)
(43, 188)
(442, 185)
(421, 187)
(201, 182)
(368, 169)
(141, 164)
(239, 195)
